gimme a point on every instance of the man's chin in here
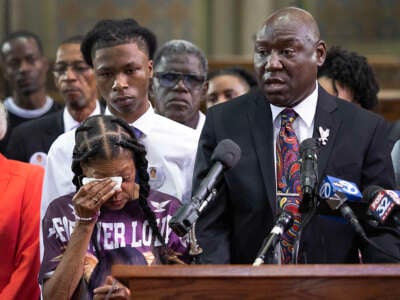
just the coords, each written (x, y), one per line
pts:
(76, 103)
(28, 90)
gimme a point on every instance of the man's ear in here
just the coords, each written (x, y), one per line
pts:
(150, 67)
(320, 53)
(204, 89)
(46, 64)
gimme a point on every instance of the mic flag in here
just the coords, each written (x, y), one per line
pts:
(382, 202)
(336, 191)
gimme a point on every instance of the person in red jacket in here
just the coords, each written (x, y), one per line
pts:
(21, 191)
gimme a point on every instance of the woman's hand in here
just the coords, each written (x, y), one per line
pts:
(90, 197)
(112, 289)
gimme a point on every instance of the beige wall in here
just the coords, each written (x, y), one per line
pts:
(223, 28)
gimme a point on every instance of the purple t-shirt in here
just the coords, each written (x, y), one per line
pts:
(123, 236)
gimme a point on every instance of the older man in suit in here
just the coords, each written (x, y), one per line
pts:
(76, 83)
(289, 108)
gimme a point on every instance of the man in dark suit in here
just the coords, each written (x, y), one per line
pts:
(288, 51)
(76, 83)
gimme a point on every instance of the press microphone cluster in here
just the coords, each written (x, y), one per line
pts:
(225, 156)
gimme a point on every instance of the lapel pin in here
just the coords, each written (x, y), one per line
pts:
(324, 134)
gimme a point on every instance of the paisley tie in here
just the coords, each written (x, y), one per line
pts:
(288, 179)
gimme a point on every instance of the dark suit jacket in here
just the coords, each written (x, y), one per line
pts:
(232, 227)
(35, 136)
(14, 121)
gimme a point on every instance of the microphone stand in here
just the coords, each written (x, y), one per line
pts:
(304, 222)
(195, 250)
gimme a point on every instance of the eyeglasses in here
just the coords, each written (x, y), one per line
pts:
(78, 67)
(170, 80)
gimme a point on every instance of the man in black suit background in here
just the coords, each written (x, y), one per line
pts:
(76, 83)
(287, 53)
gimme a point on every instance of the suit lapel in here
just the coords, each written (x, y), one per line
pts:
(325, 118)
(55, 129)
(261, 130)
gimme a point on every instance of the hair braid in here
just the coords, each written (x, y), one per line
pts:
(105, 137)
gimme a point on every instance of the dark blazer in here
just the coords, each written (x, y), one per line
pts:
(14, 121)
(232, 227)
(36, 136)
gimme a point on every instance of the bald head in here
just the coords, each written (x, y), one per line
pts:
(293, 17)
(287, 54)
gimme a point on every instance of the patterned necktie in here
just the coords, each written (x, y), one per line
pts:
(136, 132)
(288, 179)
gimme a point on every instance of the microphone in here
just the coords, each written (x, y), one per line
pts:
(308, 172)
(383, 202)
(284, 222)
(225, 156)
(336, 193)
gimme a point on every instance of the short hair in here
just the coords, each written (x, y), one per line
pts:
(109, 33)
(75, 39)
(238, 72)
(353, 71)
(105, 137)
(24, 34)
(178, 47)
(3, 120)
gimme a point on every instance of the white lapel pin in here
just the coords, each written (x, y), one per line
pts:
(324, 134)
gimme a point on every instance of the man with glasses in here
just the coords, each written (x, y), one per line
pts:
(76, 82)
(179, 83)
(25, 68)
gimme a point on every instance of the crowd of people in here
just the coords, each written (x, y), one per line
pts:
(95, 181)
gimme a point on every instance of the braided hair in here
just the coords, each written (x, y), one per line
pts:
(105, 137)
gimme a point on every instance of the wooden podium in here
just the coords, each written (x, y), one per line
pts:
(368, 281)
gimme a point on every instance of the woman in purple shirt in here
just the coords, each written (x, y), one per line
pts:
(106, 221)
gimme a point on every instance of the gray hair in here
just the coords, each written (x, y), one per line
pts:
(178, 47)
(3, 120)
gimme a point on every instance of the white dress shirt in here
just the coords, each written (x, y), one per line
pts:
(303, 125)
(70, 123)
(200, 123)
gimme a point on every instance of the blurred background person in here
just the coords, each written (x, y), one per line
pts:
(21, 187)
(25, 68)
(226, 84)
(76, 83)
(348, 75)
(179, 82)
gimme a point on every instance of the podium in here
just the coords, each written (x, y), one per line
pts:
(368, 281)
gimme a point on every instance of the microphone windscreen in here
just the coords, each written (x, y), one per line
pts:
(309, 144)
(227, 152)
